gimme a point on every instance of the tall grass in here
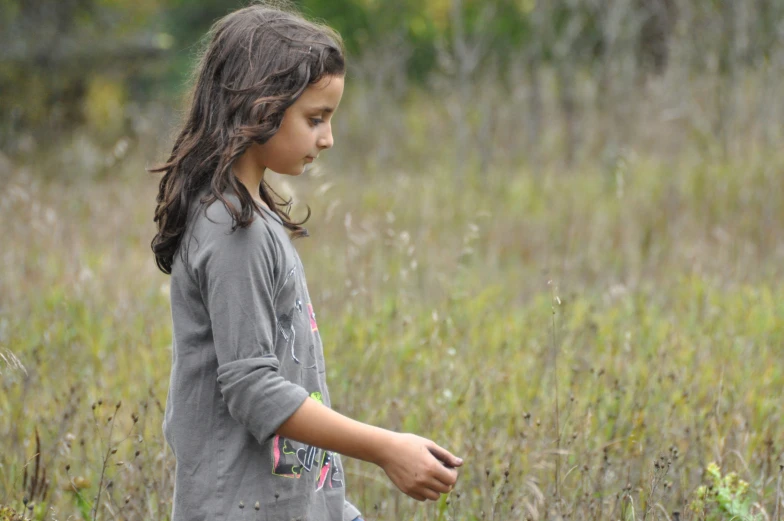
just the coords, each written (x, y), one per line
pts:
(443, 304)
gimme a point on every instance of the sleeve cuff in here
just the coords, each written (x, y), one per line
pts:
(257, 396)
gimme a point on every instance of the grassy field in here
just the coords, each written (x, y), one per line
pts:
(588, 341)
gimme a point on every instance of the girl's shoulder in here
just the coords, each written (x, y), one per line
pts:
(215, 216)
(213, 228)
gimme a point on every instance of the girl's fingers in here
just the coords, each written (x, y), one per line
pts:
(432, 491)
(444, 456)
(431, 494)
(439, 486)
(445, 476)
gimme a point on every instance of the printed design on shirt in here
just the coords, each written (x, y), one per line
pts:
(286, 327)
(286, 321)
(312, 315)
(290, 459)
(298, 317)
(289, 275)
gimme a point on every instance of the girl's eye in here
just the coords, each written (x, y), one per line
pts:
(316, 121)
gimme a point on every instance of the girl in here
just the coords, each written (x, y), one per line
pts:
(248, 414)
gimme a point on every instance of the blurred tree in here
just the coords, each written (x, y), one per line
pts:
(51, 49)
(658, 23)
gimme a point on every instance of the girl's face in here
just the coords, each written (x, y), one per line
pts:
(305, 131)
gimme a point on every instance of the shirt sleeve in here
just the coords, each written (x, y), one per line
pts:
(239, 288)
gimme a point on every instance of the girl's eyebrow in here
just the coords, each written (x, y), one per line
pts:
(325, 109)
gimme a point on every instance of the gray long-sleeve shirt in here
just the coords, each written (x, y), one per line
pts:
(246, 354)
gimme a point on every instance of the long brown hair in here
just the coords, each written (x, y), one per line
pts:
(257, 62)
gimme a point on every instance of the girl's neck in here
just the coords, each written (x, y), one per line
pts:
(247, 172)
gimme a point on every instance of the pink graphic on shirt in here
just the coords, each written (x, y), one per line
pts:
(291, 458)
(280, 447)
(326, 465)
(290, 462)
(312, 315)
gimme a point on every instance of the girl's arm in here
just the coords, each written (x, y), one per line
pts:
(416, 465)
(237, 283)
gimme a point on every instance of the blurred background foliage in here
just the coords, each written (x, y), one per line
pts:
(593, 71)
(548, 237)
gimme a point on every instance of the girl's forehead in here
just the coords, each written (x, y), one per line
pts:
(324, 94)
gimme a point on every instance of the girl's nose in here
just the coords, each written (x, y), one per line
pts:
(326, 140)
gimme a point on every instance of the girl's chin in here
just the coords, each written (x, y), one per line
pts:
(295, 171)
(302, 169)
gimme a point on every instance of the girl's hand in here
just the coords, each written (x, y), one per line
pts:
(419, 467)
